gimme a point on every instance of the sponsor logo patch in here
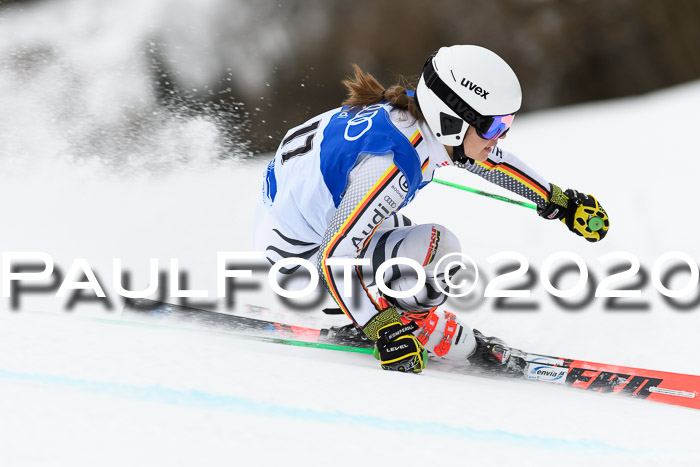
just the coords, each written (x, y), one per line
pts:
(546, 373)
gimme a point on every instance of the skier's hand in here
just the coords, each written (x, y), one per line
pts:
(577, 211)
(395, 345)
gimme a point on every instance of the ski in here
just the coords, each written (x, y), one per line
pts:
(657, 386)
(156, 310)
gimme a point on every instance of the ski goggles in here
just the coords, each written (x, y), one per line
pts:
(498, 127)
(487, 127)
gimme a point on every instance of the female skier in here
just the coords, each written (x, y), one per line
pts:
(337, 182)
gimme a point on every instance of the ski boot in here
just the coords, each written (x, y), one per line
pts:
(494, 355)
(441, 333)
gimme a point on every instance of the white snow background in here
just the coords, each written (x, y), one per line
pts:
(79, 180)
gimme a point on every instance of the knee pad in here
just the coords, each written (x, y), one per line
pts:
(429, 243)
(426, 244)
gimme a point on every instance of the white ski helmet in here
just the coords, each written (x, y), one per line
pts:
(467, 84)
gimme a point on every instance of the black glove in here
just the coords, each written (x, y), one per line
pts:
(581, 213)
(395, 345)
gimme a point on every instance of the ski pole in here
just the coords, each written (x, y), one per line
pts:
(485, 193)
(595, 223)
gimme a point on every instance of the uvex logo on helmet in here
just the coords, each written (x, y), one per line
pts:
(478, 90)
(467, 113)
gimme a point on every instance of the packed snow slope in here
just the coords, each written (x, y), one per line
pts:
(76, 391)
(81, 182)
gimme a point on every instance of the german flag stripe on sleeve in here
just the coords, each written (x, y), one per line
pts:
(518, 175)
(349, 223)
(416, 138)
(425, 165)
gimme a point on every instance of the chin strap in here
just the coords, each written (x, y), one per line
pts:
(460, 159)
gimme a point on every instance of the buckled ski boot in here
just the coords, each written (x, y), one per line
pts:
(493, 354)
(442, 333)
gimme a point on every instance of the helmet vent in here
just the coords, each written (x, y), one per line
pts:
(450, 125)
